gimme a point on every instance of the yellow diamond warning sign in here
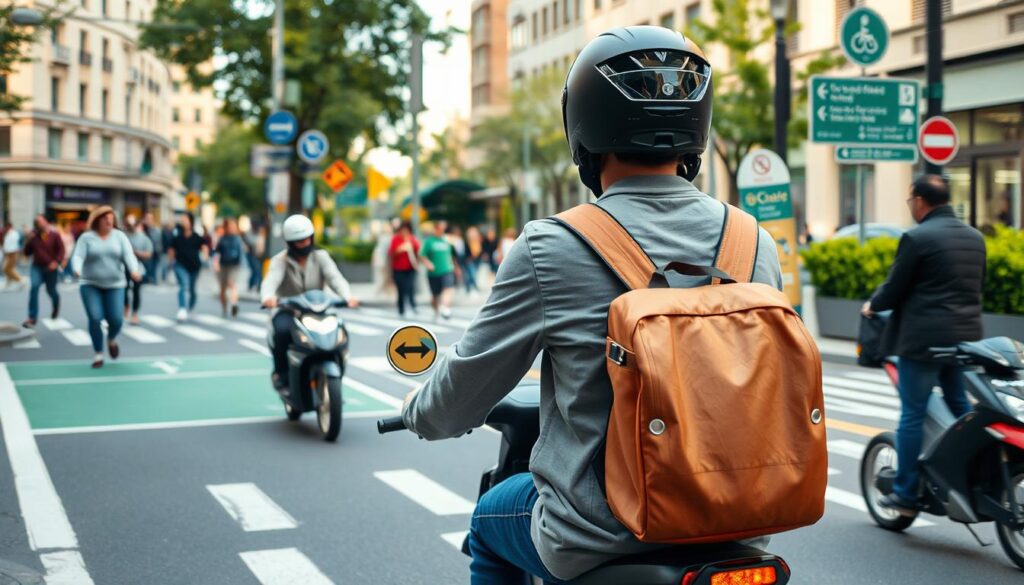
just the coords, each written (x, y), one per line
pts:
(412, 350)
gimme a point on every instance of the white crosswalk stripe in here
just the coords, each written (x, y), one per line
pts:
(426, 492)
(255, 317)
(864, 397)
(283, 566)
(57, 324)
(846, 448)
(156, 321)
(357, 329)
(860, 409)
(876, 377)
(243, 328)
(27, 344)
(77, 337)
(197, 333)
(391, 315)
(861, 386)
(251, 508)
(142, 335)
(392, 323)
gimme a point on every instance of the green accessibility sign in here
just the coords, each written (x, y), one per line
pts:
(864, 36)
(872, 154)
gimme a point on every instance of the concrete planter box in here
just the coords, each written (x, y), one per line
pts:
(356, 272)
(839, 318)
(996, 325)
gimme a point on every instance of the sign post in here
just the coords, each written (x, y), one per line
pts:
(763, 182)
(280, 129)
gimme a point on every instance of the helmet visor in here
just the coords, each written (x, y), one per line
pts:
(658, 75)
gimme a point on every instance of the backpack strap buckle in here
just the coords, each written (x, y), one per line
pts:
(617, 353)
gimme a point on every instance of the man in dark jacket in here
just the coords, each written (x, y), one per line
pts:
(46, 249)
(934, 291)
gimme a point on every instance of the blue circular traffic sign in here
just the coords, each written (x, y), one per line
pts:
(312, 146)
(281, 127)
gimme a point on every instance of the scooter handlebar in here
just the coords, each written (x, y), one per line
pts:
(390, 425)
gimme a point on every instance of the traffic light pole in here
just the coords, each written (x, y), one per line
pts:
(933, 34)
(416, 104)
(273, 218)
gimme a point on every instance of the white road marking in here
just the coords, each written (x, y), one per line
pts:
(880, 389)
(244, 329)
(864, 397)
(27, 344)
(57, 324)
(143, 377)
(251, 508)
(213, 422)
(856, 502)
(65, 567)
(256, 317)
(77, 337)
(45, 520)
(455, 538)
(142, 335)
(426, 492)
(846, 448)
(197, 333)
(283, 566)
(393, 323)
(156, 321)
(391, 315)
(255, 346)
(834, 471)
(875, 377)
(374, 393)
(380, 367)
(851, 407)
(357, 329)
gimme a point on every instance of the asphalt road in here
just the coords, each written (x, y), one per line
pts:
(175, 464)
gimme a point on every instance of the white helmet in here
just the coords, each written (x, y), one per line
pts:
(297, 227)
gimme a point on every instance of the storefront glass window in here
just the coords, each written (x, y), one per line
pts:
(962, 121)
(848, 194)
(960, 191)
(999, 198)
(1001, 124)
(53, 143)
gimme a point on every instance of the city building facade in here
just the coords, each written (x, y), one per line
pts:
(195, 120)
(94, 129)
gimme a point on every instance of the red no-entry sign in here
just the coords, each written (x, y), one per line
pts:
(938, 140)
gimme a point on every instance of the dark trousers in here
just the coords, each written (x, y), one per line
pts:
(282, 323)
(405, 282)
(917, 378)
(133, 295)
(255, 271)
(39, 275)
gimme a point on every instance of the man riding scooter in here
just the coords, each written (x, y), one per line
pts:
(299, 268)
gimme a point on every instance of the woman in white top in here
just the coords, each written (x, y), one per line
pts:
(102, 256)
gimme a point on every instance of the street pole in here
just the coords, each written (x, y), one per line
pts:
(524, 202)
(416, 104)
(933, 32)
(861, 203)
(274, 242)
(782, 90)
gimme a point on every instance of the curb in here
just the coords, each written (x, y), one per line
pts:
(12, 333)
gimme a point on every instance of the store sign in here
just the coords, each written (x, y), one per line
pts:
(864, 111)
(76, 194)
(764, 185)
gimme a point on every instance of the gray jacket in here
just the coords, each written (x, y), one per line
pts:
(286, 278)
(101, 263)
(552, 293)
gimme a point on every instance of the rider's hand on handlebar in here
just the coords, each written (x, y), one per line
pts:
(866, 310)
(270, 302)
(352, 302)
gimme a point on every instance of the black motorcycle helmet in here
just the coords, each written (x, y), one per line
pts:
(637, 90)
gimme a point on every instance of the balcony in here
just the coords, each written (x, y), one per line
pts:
(61, 55)
(108, 65)
(85, 58)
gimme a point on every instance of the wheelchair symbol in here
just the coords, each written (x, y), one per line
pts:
(864, 43)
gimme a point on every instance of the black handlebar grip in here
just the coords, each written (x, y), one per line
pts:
(390, 425)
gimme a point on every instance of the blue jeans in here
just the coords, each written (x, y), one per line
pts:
(499, 536)
(917, 378)
(39, 276)
(255, 271)
(469, 268)
(186, 280)
(103, 304)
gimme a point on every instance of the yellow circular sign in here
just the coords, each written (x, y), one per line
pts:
(192, 201)
(412, 350)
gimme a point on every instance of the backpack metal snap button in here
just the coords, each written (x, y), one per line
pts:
(816, 416)
(657, 426)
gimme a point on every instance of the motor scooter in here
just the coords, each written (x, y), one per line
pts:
(517, 419)
(972, 468)
(317, 356)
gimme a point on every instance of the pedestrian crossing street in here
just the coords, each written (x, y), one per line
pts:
(203, 327)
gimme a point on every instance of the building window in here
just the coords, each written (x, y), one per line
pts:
(1016, 22)
(692, 12)
(919, 9)
(83, 94)
(480, 24)
(128, 10)
(535, 30)
(54, 94)
(793, 41)
(597, 4)
(105, 104)
(198, 144)
(519, 32)
(107, 150)
(53, 142)
(176, 115)
(565, 12)
(176, 142)
(481, 95)
(998, 125)
(198, 115)
(579, 10)
(554, 16)
(544, 21)
(5, 141)
(480, 62)
(83, 146)
(3, 85)
(103, 7)
(176, 87)
(667, 20)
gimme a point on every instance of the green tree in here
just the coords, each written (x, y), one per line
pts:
(442, 161)
(14, 40)
(224, 168)
(348, 57)
(744, 113)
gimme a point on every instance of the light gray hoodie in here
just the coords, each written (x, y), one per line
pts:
(101, 263)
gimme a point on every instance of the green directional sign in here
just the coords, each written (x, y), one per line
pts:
(864, 36)
(871, 154)
(864, 111)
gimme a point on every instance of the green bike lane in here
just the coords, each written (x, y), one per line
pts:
(69, 396)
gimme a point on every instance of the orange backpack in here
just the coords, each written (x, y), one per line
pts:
(717, 427)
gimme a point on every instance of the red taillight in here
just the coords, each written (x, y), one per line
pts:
(690, 577)
(1007, 434)
(758, 576)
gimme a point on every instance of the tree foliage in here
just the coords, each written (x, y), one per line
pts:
(14, 41)
(224, 168)
(348, 56)
(442, 159)
(744, 112)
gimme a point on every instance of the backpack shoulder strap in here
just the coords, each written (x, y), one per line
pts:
(737, 249)
(612, 243)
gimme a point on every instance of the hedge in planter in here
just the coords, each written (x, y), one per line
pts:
(355, 251)
(842, 268)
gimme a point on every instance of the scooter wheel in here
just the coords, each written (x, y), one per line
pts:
(1013, 540)
(292, 413)
(880, 456)
(328, 414)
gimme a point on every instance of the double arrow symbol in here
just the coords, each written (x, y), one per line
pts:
(404, 350)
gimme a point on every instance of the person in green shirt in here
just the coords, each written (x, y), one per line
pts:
(438, 256)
